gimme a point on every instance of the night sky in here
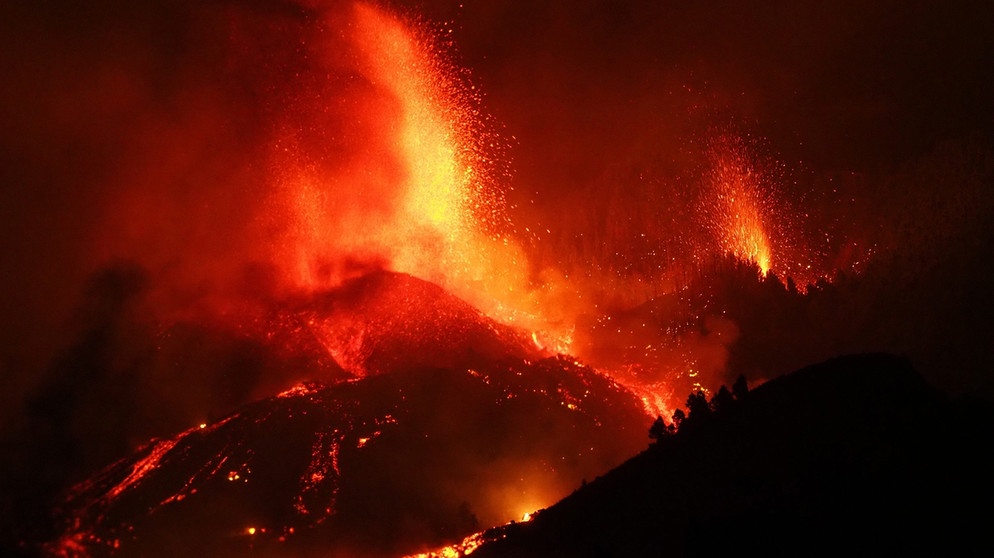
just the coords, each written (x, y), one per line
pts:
(846, 86)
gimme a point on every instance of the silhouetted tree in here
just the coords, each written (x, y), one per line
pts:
(698, 406)
(722, 400)
(659, 429)
(791, 286)
(740, 389)
(678, 417)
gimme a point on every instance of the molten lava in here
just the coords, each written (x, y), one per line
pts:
(350, 468)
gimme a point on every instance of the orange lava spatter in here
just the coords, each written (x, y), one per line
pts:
(736, 207)
(421, 197)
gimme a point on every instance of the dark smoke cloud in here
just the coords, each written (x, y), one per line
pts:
(143, 132)
(132, 160)
(99, 97)
(841, 85)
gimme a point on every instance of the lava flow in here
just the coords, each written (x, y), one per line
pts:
(420, 454)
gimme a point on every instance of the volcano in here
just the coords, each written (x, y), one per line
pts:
(452, 422)
(296, 276)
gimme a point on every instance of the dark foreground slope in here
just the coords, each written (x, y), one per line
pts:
(855, 456)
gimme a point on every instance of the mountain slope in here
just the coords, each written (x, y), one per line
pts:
(391, 463)
(853, 456)
(383, 321)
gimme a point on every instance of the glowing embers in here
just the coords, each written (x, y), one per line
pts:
(430, 122)
(736, 208)
(342, 469)
(143, 466)
(426, 134)
(363, 441)
(556, 342)
(469, 544)
(319, 482)
(79, 545)
(239, 475)
(463, 548)
(303, 389)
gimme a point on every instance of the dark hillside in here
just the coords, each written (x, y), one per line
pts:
(856, 455)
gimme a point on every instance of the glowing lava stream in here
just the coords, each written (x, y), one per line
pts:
(469, 544)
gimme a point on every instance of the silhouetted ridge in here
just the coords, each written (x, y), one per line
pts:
(854, 456)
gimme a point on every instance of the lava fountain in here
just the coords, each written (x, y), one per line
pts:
(424, 199)
(736, 209)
